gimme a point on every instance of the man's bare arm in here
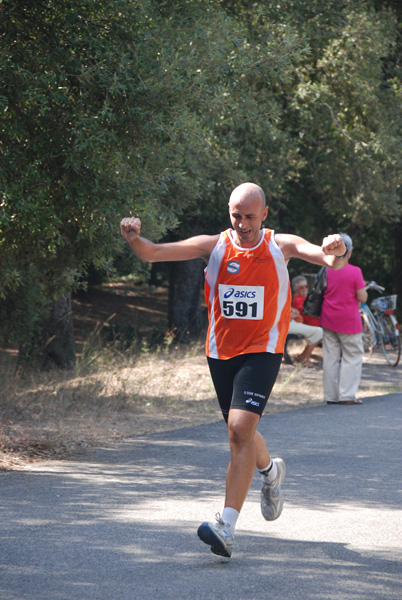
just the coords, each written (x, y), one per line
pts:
(199, 246)
(331, 253)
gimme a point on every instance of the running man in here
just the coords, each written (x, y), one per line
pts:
(248, 297)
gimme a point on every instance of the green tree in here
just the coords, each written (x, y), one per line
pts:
(341, 109)
(392, 237)
(70, 80)
(116, 108)
(349, 113)
(159, 109)
(96, 123)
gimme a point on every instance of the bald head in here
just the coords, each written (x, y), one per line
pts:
(246, 192)
(247, 212)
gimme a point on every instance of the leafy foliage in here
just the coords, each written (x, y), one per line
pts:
(160, 108)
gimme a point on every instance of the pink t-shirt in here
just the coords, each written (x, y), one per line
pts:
(340, 309)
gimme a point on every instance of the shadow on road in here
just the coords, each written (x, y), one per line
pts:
(122, 523)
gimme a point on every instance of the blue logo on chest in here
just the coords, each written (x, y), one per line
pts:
(233, 266)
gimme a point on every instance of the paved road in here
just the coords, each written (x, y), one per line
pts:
(121, 524)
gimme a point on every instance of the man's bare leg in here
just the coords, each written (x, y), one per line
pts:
(263, 457)
(243, 455)
(247, 451)
(241, 429)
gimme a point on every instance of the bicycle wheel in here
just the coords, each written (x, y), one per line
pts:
(368, 337)
(391, 342)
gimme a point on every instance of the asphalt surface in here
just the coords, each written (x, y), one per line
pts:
(121, 523)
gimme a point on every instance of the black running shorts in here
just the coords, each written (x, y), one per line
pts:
(245, 381)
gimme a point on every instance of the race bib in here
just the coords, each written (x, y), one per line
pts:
(241, 301)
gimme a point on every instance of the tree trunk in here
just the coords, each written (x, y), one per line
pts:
(185, 315)
(55, 346)
(398, 265)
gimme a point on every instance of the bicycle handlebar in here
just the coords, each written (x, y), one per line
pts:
(374, 286)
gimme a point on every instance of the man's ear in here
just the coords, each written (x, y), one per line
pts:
(264, 213)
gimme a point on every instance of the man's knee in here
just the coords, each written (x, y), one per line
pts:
(241, 426)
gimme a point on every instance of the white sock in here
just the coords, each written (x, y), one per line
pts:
(270, 472)
(230, 515)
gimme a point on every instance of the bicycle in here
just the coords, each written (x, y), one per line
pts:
(380, 327)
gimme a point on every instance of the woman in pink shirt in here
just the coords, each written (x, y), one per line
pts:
(342, 342)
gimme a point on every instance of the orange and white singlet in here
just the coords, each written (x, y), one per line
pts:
(248, 296)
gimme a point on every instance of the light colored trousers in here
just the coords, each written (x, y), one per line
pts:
(312, 334)
(341, 379)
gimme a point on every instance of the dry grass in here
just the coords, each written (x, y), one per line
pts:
(56, 414)
(113, 396)
(60, 413)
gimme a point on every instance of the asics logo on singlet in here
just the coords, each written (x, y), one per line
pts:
(252, 402)
(239, 294)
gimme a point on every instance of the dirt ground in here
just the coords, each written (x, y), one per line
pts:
(115, 395)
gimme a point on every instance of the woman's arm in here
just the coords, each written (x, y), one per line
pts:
(362, 295)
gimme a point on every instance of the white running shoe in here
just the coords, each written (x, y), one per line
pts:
(271, 493)
(217, 535)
